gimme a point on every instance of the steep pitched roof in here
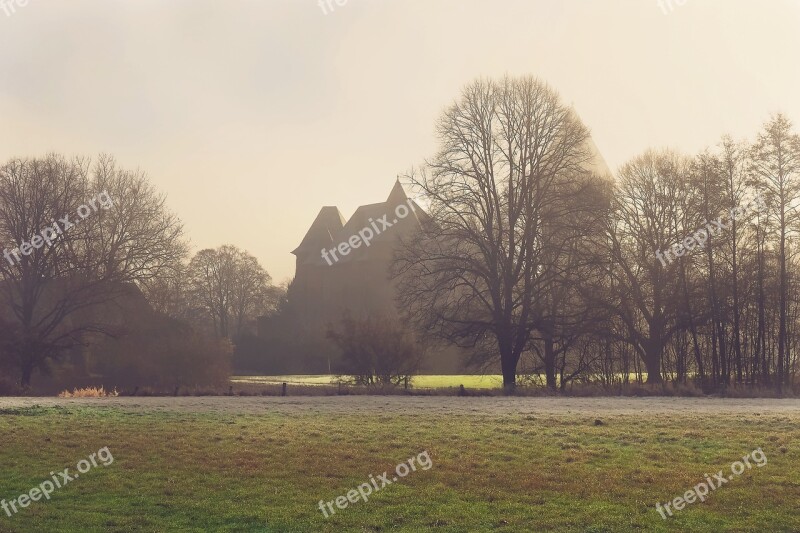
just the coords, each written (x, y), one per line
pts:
(329, 222)
(397, 196)
(329, 228)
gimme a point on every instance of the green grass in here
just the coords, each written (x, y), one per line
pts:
(266, 472)
(419, 382)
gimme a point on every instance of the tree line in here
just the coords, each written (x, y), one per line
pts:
(117, 293)
(534, 259)
(537, 260)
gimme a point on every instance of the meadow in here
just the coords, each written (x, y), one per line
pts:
(498, 464)
(417, 382)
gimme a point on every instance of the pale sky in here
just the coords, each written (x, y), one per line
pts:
(252, 115)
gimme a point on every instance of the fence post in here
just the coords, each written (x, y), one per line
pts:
(283, 390)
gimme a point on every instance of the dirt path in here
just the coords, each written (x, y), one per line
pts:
(446, 405)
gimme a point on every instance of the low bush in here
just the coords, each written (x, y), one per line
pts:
(377, 350)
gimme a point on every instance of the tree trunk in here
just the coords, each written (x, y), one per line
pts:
(509, 374)
(27, 372)
(719, 362)
(509, 357)
(701, 373)
(761, 338)
(782, 315)
(737, 339)
(652, 362)
(550, 363)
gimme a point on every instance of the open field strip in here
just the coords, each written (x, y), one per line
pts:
(499, 464)
(470, 381)
(419, 382)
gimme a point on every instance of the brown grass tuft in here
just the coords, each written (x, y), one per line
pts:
(88, 392)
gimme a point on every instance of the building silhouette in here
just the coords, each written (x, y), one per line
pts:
(359, 280)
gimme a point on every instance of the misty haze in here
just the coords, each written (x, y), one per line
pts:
(360, 265)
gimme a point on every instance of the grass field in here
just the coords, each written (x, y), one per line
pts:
(419, 382)
(499, 464)
(469, 381)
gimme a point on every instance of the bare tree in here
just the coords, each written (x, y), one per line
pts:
(643, 268)
(572, 222)
(472, 275)
(230, 288)
(776, 163)
(59, 267)
(707, 185)
(734, 162)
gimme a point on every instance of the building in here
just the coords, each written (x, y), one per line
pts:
(327, 281)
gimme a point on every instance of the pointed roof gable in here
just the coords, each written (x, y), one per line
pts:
(329, 222)
(397, 196)
(330, 228)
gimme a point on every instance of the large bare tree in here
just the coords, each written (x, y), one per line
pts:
(473, 274)
(78, 235)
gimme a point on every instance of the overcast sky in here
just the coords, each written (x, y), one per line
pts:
(252, 115)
